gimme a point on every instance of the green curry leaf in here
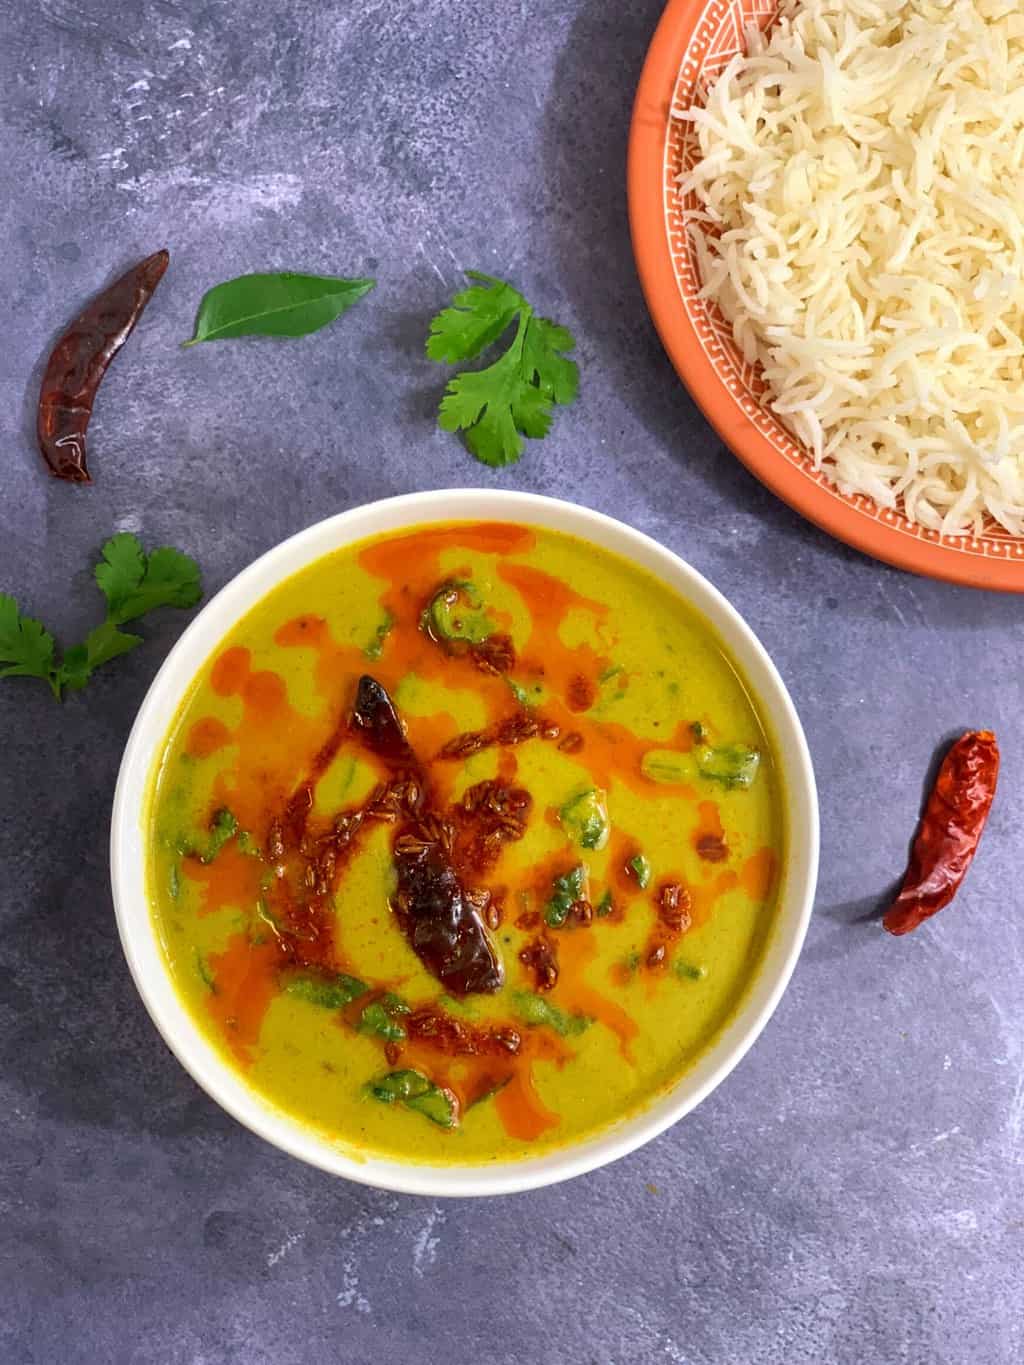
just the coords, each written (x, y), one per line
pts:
(280, 305)
(379, 1017)
(329, 992)
(418, 1093)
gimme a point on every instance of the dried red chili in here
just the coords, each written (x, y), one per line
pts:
(440, 919)
(79, 361)
(444, 928)
(951, 826)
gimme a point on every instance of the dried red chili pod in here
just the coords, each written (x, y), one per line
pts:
(79, 361)
(950, 828)
(441, 922)
(374, 716)
(444, 928)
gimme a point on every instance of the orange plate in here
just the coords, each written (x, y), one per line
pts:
(693, 42)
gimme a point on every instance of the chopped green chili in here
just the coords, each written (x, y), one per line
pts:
(734, 765)
(456, 612)
(668, 766)
(641, 869)
(535, 1010)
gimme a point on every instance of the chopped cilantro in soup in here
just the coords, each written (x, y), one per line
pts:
(486, 883)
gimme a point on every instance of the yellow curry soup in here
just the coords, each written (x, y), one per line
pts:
(465, 842)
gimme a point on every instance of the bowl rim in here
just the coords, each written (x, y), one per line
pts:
(822, 505)
(139, 937)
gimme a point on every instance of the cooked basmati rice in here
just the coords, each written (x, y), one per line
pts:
(860, 176)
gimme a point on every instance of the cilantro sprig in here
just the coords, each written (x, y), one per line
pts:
(514, 397)
(133, 584)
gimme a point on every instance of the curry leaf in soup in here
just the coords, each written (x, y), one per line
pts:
(281, 305)
(437, 1105)
(418, 1093)
(399, 1085)
(329, 992)
(584, 818)
(379, 1017)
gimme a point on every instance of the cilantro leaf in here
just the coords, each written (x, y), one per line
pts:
(545, 365)
(132, 583)
(135, 584)
(476, 320)
(101, 645)
(498, 405)
(120, 570)
(26, 648)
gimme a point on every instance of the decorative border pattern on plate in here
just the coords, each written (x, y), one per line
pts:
(717, 36)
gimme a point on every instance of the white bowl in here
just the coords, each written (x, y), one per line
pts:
(128, 844)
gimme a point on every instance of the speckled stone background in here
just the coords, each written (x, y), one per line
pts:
(855, 1192)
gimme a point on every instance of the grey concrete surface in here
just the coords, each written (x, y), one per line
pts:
(854, 1192)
